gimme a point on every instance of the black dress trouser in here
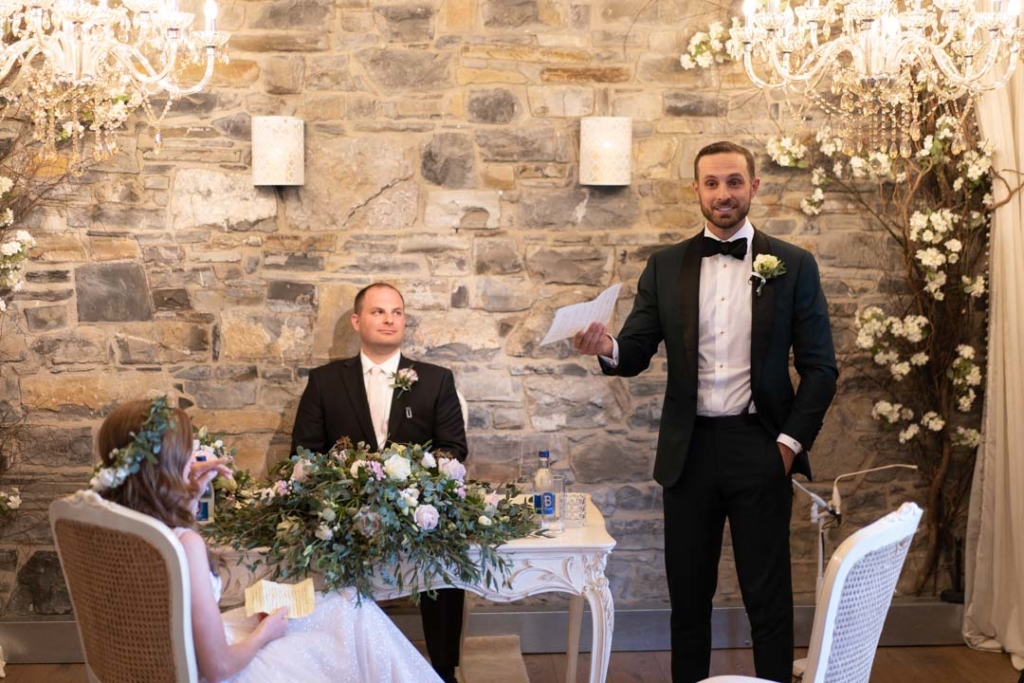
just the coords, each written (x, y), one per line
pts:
(442, 626)
(733, 471)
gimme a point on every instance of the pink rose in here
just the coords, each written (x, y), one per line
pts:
(426, 517)
(300, 472)
(451, 468)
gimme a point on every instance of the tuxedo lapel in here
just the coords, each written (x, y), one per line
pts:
(355, 389)
(399, 401)
(762, 313)
(689, 302)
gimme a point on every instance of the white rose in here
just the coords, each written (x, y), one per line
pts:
(397, 468)
(483, 520)
(411, 496)
(428, 460)
(324, 532)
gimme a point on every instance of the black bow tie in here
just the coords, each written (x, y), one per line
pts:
(709, 246)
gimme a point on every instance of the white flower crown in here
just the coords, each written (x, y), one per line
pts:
(146, 444)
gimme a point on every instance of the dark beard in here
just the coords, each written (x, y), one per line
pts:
(739, 217)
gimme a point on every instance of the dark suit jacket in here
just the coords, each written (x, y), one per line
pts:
(334, 405)
(790, 313)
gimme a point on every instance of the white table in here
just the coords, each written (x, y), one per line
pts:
(572, 562)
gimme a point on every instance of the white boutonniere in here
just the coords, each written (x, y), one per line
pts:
(766, 267)
(404, 379)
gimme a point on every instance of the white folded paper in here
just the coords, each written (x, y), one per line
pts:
(266, 596)
(577, 317)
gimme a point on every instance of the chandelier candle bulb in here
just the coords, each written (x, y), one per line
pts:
(210, 11)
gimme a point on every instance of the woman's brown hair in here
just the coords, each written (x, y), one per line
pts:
(158, 489)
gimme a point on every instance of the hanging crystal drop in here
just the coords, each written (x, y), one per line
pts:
(959, 145)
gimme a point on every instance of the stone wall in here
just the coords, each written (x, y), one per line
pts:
(441, 155)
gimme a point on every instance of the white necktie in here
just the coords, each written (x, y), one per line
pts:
(375, 396)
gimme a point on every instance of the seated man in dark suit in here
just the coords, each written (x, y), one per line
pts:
(359, 398)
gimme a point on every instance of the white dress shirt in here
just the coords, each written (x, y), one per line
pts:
(723, 331)
(723, 334)
(380, 413)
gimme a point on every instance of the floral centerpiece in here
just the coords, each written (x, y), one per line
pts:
(350, 513)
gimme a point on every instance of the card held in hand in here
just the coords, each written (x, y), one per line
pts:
(267, 596)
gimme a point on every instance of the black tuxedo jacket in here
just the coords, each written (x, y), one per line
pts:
(791, 313)
(334, 405)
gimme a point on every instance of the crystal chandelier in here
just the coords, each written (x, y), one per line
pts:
(77, 66)
(871, 64)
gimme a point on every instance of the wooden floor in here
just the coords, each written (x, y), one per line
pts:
(892, 665)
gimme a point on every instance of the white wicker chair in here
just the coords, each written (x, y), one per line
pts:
(855, 597)
(129, 585)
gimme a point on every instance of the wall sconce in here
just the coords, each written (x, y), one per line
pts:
(606, 150)
(278, 150)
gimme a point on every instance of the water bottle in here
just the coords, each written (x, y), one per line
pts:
(204, 513)
(543, 491)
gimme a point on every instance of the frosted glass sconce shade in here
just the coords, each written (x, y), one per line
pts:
(278, 150)
(606, 150)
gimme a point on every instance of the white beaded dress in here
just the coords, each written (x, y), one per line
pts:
(342, 641)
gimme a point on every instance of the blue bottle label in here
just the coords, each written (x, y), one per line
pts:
(544, 503)
(203, 513)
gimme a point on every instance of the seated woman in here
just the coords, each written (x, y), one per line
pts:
(342, 641)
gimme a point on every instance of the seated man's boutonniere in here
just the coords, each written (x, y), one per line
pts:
(404, 379)
(766, 267)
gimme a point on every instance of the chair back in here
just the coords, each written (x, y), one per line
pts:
(129, 585)
(855, 597)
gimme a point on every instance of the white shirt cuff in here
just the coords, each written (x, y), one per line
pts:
(612, 362)
(789, 441)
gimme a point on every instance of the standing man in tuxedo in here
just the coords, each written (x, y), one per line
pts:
(356, 398)
(732, 428)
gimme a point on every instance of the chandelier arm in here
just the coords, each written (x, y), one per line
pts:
(970, 81)
(813, 65)
(207, 75)
(748, 66)
(13, 52)
(974, 82)
(140, 68)
(1011, 67)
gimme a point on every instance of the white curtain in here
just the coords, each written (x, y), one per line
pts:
(995, 527)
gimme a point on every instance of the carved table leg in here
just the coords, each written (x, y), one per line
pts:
(572, 645)
(602, 613)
